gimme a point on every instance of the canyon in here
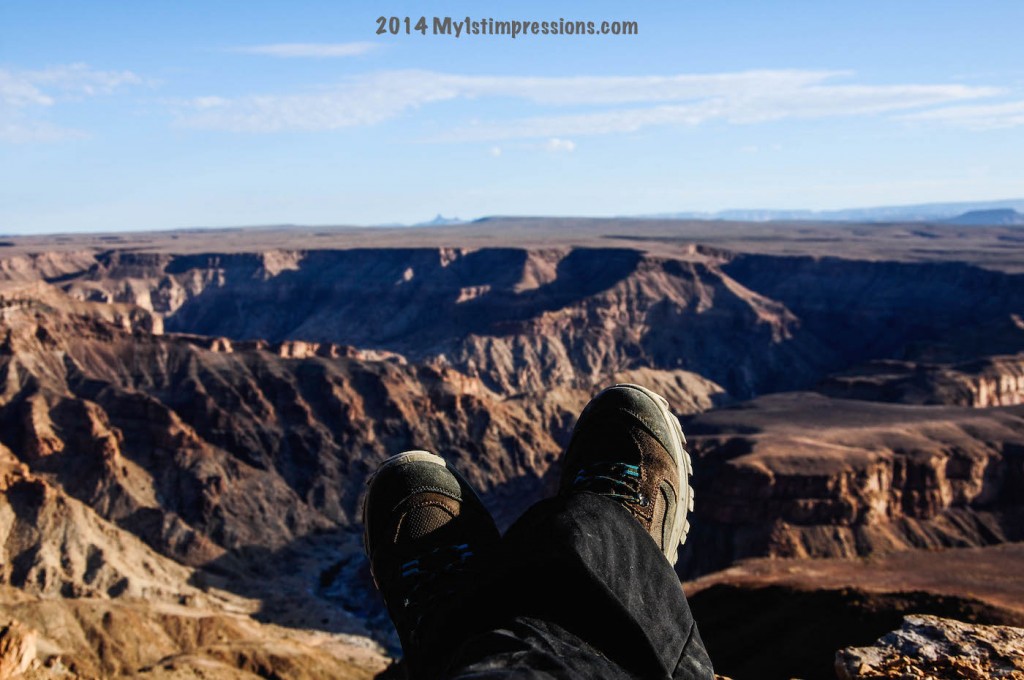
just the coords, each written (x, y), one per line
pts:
(188, 420)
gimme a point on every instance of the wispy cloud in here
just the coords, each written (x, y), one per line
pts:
(557, 145)
(317, 50)
(741, 108)
(29, 131)
(80, 80)
(25, 95)
(18, 91)
(618, 104)
(977, 117)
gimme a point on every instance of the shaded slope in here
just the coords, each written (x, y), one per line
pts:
(201, 450)
(521, 320)
(524, 320)
(787, 618)
(864, 310)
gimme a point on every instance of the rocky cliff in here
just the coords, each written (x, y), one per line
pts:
(803, 475)
(990, 381)
(525, 319)
(520, 320)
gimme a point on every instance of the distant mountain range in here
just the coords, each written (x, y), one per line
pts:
(999, 217)
(439, 221)
(926, 212)
(1008, 212)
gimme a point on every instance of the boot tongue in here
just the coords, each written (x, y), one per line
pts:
(422, 521)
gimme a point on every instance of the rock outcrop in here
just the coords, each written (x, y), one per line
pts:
(933, 647)
(17, 649)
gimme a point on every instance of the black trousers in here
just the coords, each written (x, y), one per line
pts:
(578, 589)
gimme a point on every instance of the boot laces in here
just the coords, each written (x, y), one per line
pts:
(620, 481)
(433, 576)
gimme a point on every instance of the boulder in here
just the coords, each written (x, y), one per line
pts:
(933, 647)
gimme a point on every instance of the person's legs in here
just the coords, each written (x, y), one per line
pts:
(428, 538)
(582, 586)
(582, 591)
(595, 563)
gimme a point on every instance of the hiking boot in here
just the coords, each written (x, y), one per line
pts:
(425, 532)
(627, 445)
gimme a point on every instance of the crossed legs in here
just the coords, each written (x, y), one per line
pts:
(581, 586)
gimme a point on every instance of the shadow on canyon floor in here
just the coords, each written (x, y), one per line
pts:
(779, 632)
(322, 581)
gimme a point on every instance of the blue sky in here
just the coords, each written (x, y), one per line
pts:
(155, 115)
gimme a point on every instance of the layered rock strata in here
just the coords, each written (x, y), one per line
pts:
(803, 475)
(992, 381)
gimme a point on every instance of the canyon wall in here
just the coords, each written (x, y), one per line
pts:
(173, 426)
(804, 475)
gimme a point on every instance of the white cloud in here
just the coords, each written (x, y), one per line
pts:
(978, 117)
(209, 102)
(593, 90)
(26, 95)
(363, 100)
(742, 108)
(627, 104)
(80, 80)
(27, 132)
(321, 50)
(495, 151)
(557, 145)
(17, 92)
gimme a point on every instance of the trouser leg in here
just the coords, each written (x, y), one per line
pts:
(580, 590)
